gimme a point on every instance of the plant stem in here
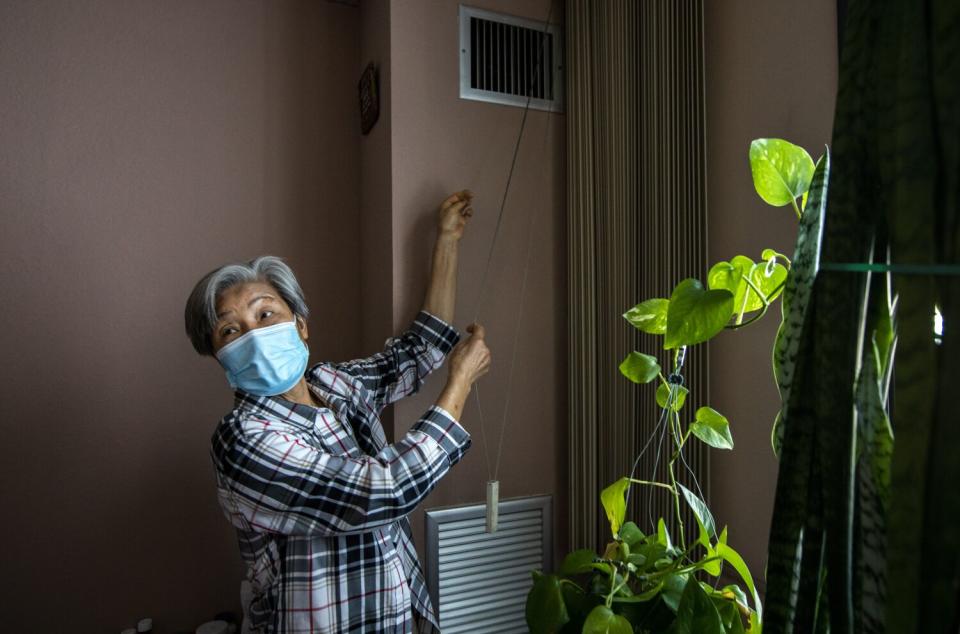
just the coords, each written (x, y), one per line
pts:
(653, 484)
(796, 208)
(762, 312)
(676, 500)
(763, 298)
(613, 588)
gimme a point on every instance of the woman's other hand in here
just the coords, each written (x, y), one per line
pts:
(468, 362)
(471, 358)
(454, 213)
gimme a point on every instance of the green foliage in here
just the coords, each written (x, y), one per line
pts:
(602, 620)
(781, 171)
(546, 610)
(697, 614)
(649, 582)
(695, 314)
(614, 504)
(640, 368)
(649, 316)
(712, 428)
(679, 398)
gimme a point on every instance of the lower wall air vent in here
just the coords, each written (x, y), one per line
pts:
(510, 60)
(479, 581)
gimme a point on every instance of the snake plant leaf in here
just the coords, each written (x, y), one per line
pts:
(696, 314)
(680, 396)
(874, 456)
(615, 504)
(697, 613)
(640, 368)
(797, 291)
(781, 170)
(649, 316)
(712, 428)
(545, 610)
(699, 508)
(602, 620)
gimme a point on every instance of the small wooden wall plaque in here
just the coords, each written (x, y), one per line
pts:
(369, 98)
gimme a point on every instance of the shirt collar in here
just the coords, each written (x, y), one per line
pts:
(288, 411)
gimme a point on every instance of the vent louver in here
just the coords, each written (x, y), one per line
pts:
(479, 581)
(509, 60)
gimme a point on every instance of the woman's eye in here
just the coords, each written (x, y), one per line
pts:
(226, 332)
(266, 314)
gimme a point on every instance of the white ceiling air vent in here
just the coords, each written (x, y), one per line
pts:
(479, 581)
(510, 60)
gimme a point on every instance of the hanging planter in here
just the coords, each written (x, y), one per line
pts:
(657, 581)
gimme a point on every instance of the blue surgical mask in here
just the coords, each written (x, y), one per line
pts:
(265, 361)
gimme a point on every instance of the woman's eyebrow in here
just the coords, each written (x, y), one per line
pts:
(249, 304)
(258, 298)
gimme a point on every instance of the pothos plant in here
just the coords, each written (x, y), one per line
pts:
(657, 582)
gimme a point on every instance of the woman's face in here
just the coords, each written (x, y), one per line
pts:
(243, 307)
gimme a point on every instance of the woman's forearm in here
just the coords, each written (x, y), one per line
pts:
(454, 396)
(442, 289)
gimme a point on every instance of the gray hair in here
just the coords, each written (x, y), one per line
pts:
(200, 314)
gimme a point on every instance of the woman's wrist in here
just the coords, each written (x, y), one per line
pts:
(447, 239)
(454, 395)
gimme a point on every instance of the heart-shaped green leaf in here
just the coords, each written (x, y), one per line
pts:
(699, 508)
(696, 613)
(696, 314)
(663, 536)
(614, 503)
(712, 428)
(649, 316)
(731, 276)
(680, 396)
(781, 170)
(602, 620)
(729, 616)
(639, 367)
(769, 278)
(631, 534)
(673, 586)
(545, 610)
(578, 562)
(733, 558)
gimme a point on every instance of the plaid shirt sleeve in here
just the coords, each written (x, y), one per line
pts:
(278, 483)
(405, 362)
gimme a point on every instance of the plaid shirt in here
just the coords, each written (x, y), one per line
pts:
(320, 500)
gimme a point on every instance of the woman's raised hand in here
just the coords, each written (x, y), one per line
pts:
(471, 358)
(454, 213)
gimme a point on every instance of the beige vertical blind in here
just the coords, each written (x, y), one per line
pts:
(636, 191)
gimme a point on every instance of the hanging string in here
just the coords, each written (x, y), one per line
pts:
(492, 474)
(513, 162)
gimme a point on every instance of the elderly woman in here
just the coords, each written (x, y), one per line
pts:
(318, 497)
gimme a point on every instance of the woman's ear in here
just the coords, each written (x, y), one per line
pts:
(301, 327)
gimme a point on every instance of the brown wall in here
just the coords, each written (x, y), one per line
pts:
(771, 70)
(440, 144)
(376, 177)
(144, 143)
